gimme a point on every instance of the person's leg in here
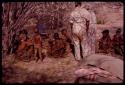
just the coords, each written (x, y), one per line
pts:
(72, 49)
(28, 55)
(35, 55)
(77, 48)
(92, 38)
(44, 53)
(68, 48)
(86, 47)
(41, 54)
(120, 51)
(35, 52)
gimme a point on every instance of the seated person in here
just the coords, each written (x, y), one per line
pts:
(117, 42)
(58, 45)
(69, 46)
(23, 49)
(105, 42)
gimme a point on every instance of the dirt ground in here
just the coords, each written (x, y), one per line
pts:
(51, 70)
(59, 70)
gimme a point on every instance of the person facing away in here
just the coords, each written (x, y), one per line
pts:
(117, 42)
(80, 21)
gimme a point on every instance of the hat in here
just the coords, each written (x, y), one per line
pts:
(105, 31)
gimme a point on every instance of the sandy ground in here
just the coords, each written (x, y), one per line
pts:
(59, 70)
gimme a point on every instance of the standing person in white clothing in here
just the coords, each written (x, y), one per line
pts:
(92, 31)
(80, 20)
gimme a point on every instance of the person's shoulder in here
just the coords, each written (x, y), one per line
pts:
(85, 11)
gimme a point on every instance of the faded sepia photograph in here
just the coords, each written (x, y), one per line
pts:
(62, 42)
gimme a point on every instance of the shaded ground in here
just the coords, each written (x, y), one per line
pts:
(51, 70)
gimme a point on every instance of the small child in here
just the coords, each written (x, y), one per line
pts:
(23, 49)
(22, 46)
(38, 45)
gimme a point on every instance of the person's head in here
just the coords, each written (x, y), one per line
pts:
(78, 4)
(88, 6)
(118, 31)
(64, 32)
(23, 35)
(36, 30)
(56, 36)
(105, 33)
(24, 31)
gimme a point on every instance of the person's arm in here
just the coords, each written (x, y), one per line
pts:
(71, 25)
(71, 20)
(21, 47)
(29, 42)
(87, 25)
(40, 40)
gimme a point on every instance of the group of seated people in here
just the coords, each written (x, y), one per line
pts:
(61, 45)
(32, 48)
(29, 47)
(115, 45)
